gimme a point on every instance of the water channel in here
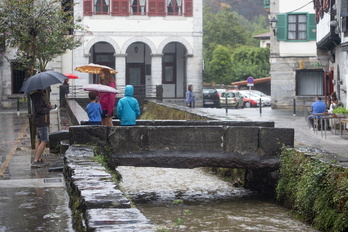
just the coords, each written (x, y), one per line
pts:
(214, 204)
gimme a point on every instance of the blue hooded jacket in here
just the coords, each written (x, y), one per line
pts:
(128, 107)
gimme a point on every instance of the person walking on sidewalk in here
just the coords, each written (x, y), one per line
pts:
(41, 115)
(128, 107)
(190, 97)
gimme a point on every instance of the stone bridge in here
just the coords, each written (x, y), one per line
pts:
(188, 146)
(185, 143)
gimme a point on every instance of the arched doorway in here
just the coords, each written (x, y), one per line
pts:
(138, 67)
(102, 53)
(174, 70)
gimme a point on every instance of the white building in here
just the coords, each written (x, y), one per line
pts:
(332, 44)
(149, 42)
(295, 70)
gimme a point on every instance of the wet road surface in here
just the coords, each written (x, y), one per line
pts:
(30, 199)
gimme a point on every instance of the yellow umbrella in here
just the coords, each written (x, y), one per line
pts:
(94, 68)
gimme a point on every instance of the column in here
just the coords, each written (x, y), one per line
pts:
(156, 72)
(121, 72)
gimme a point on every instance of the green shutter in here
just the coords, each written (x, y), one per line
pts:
(311, 27)
(282, 27)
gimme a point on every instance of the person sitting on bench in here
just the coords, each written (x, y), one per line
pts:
(317, 107)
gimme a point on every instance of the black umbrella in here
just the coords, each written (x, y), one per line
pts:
(42, 81)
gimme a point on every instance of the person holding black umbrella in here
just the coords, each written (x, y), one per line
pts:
(41, 116)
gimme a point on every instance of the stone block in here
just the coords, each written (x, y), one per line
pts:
(185, 138)
(93, 135)
(55, 138)
(272, 140)
(242, 140)
(127, 139)
(118, 220)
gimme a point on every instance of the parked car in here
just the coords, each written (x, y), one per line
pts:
(220, 91)
(234, 99)
(211, 97)
(266, 99)
(248, 102)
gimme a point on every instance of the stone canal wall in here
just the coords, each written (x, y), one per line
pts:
(96, 202)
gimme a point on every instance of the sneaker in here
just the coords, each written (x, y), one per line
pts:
(40, 161)
(37, 165)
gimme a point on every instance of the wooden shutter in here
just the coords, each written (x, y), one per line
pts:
(188, 8)
(157, 7)
(120, 7)
(87, 7)
(282, 32)
(311, 27)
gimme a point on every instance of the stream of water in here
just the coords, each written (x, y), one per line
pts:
(213, 204)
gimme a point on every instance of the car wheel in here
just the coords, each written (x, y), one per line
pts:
(247, 104)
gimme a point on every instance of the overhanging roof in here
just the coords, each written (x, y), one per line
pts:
(256, 81)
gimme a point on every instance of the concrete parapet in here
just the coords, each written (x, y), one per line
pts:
(207, 145)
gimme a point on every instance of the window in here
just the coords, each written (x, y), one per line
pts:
(102, 6)
(296, 27)
(169, 67)
(174, 7)
(309, 82)
(138, 7)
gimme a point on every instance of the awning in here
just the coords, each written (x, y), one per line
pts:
(256, 81)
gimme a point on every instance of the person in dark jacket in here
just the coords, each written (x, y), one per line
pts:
(128, 107)
(40, 110)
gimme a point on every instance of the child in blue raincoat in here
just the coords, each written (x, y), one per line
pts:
(128, 107)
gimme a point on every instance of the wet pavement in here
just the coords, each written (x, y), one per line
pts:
(30, 199)
(36, 199)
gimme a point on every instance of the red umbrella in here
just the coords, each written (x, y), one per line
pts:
(71, 76)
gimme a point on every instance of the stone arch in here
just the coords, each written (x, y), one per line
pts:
(178, 40)
(93, 41)
(138, 39)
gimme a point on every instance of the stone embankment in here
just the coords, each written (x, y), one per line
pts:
(96, 202)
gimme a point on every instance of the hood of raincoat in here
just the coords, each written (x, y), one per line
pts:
(129, 91)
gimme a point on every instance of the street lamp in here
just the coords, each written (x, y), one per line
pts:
(274, 25)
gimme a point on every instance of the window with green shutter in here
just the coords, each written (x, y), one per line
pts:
(296, 27)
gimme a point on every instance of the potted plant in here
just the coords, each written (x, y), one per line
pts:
(340, 111)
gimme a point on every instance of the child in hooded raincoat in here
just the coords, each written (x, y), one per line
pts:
(128, 107)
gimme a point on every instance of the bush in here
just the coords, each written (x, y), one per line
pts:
(340, 110)
(316, 191)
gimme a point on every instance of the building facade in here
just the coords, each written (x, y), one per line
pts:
(296, 72)
(332, 43)
(150, 43)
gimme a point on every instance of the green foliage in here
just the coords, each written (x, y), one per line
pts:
(340, 110)
(221, 64)
(38, 29)
(316, 191)
(248, 61)
(226, 32)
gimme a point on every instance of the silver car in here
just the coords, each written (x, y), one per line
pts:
(232, 99)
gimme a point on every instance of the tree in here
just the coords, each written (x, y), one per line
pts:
(38, 29)
(221, 65)
(249, 61)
